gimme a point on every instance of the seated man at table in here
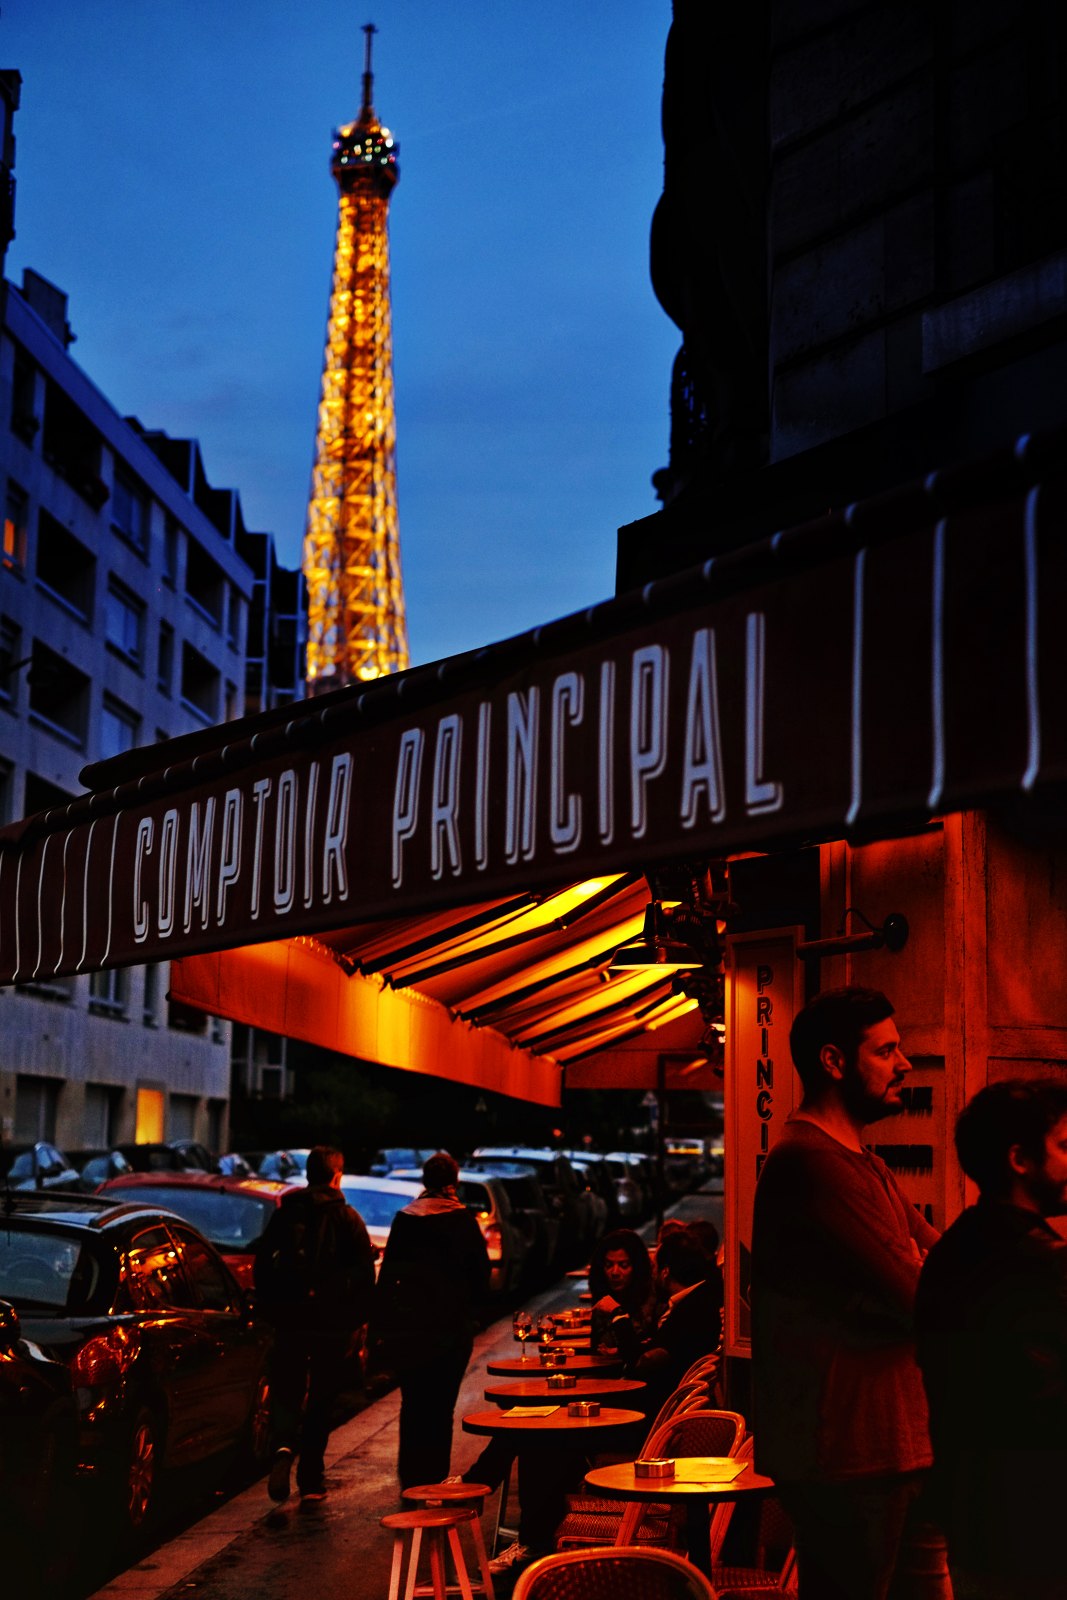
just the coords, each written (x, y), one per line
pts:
(689, 1282)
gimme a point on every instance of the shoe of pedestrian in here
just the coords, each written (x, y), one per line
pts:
(278, 1482)
(314, 1494)
(515, 1555)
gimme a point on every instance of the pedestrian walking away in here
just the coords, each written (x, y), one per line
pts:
(991, 1331)
(840, 1419)
(314, 1277)
(434, 1274)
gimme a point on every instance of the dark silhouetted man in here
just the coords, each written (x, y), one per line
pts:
(991, 1327)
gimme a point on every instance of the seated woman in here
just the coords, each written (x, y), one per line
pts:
(620, 1279)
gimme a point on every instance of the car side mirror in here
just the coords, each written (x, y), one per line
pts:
(10, 1327)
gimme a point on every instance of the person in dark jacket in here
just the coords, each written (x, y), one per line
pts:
(434, 1273)
(991, 1333)
(314, 1277)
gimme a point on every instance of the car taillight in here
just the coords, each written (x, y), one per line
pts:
(104, 1359)
(494, 1241)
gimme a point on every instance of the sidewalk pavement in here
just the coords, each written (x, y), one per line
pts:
(248, 1547)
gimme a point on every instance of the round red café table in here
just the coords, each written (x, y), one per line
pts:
(514, 1366)
(535, 1391)
(559, 1426)
(558, 1429)
(699, 1481)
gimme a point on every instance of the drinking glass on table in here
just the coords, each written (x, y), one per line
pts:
(522, 1327)
(546, 1329)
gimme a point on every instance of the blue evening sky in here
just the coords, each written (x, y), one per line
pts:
(173, 179)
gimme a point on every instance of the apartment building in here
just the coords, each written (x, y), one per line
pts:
(134, 606)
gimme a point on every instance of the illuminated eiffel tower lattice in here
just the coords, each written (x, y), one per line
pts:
(356, 626)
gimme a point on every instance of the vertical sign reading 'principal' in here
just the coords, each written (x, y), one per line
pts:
(764, 993)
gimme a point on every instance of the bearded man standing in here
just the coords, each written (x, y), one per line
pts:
(840, 1416)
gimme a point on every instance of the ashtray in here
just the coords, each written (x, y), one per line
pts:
(552, 1358)
(561, 1380)
(587, 1408)
(654, 1467)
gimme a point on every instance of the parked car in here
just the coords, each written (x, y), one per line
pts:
(96, 1166)
(629, 1196)
(36, 1166)
(180, 1155)
(642, 1171)
(399, 1157)
(567, 1197)
(230, 1212)
(38, 1458)
(378, 1200)
(531, 1212)
(286, 1166)
(593, 1173)
(485, 1195)
(169, 1365)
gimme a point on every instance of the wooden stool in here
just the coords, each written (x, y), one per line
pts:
(439, 1525)
(456, 1495)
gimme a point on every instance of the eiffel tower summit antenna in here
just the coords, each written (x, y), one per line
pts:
(356, 623)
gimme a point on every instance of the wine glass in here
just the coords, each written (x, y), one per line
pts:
(522, 1327)
(546, 1329)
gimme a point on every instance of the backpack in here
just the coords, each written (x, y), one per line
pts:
(302, 1268)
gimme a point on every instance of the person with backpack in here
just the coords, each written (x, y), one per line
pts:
(314, 1277)
(434, 1273)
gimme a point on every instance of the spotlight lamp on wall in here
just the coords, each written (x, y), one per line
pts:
(891, 935)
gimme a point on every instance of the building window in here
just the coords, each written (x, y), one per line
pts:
(59, 694)
(171, 539)
(151, 1108)
(109, 993)
(183, 1108)
(185, 1019)
(165, 660)
(10, 660)
(65, 567)
(6, 771)
(125, 623)
(16, 525)
(120, 729)
(24, 419)
(100, 1120)
(232, 703)
(71, 446)
(205, 587)
(153, 988)
(200, 685)
(36, 1105)
(129, 509)
(234, 616)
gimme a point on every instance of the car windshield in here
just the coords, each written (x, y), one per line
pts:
(232, 1221)
(375, 1206)
(522, 1192)
(43, 1269)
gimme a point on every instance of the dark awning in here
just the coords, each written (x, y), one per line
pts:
(861, 673)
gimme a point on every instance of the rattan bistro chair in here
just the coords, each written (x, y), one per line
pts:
(700, 1432)
(613, 1575)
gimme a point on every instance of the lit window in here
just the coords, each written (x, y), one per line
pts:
(16, 521)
